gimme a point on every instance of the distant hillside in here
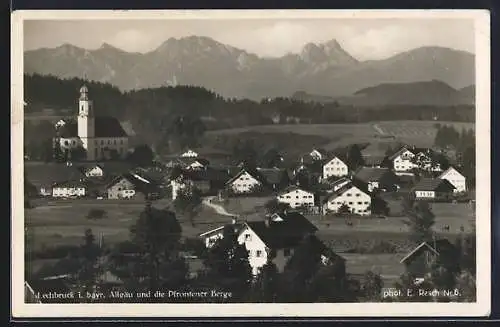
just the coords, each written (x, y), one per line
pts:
(324, 68)
(306, 97)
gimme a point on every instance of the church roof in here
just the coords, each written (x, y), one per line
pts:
(105, 126)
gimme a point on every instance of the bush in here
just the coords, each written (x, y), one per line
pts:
(96, 214)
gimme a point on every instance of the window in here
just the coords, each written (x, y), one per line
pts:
(348, 194)
(297, 197)
(121, 142)
(114, 142)
(248, 237)
(65, 142)
(350, 202)
(258, 253)
(360, 202)
(102, 142)
(366, 202)
(357, 194)
(109, 142)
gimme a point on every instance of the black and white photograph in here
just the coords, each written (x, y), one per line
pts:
(259, 162)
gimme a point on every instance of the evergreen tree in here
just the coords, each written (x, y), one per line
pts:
(89, 265)
(150, 260)
(421, 220)
(354, 157)
(227, 265)
(188, 203)
(266, 287)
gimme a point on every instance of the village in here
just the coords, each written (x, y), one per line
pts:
(270, 209)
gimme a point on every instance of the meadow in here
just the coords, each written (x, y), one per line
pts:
(418, 133)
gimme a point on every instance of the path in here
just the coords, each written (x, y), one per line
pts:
(378, 129)
(217, 207)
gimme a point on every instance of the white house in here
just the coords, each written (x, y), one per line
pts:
(189, 154)
(357, 200)
(244, 182)
(402, 161)
(296, 197)
(93, 171)
(100, 136)
(316, 154)
(335, 167)
(277, 235)
(68, 189)
(456, 179)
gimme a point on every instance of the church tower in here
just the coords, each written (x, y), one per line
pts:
(86, 123)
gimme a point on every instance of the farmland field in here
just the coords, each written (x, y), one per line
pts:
(418, 133)
(64, 222)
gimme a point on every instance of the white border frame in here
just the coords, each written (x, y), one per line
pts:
(483, 225)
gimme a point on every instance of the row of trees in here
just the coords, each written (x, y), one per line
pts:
(174, 117)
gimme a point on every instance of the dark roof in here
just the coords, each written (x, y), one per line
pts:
(273, 175)
(292, 188)
(253, 172)
(105, 126)
(373, 160)
(70, 184)
(367, 174)
(412, 149)
(209, 174)
(46, 174)
(431, 184)
(323, 249)
(358, 184)
(283, 234)
(440, 246)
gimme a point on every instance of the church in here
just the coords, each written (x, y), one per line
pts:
(102, 137)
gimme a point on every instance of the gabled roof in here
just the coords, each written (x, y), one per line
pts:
(105, 126)
(237, 227)
(46, 174)
(273, 175)
(367, 174)
(373, 160)
(437, 247)
(209, 175)
(412, 149)
(283, 234)
(448, 170)
(292, 188)
(253, 172)
(399, 152)
(69, 184)
(431, 184)
(354, 183)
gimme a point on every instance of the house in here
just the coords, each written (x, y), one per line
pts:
(335, 167)
(420, 260)
(101, 137)
(275, 178)
(122, 187)
(275, 237)
(44, 176)
(354, 195)
(433, 188)
(456, 179)
(69, 189)
(296, 197)
(318, 154)
(402, 160)
(246, 181)
(189, 154)
(215, 234)
(198, 163)
(93, 170)
(408, 158)
(335, 184)
(373, 161)
(208, 181)
(377, 178)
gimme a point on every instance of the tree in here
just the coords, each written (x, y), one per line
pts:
(227, 264)
(150, 260)
(466, 284)
(371, 287)
(275, 206)
(344, 210)
(77, 154)
(266, 287)
(142, 156)
(378, 206)
(188, 203)
(354, 157)
(272, 158)
(89, 265)
(420, 221)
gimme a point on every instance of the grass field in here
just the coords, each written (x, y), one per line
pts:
(418, 133)
(64, 222)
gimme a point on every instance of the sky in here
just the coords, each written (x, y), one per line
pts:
(364, 39)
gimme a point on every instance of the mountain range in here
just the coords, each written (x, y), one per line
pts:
(433, 93)
(325, 69)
